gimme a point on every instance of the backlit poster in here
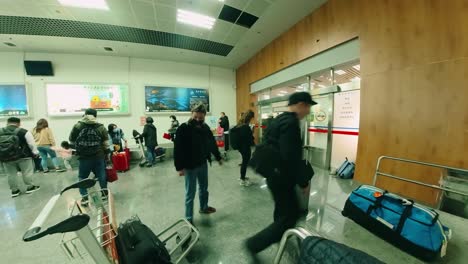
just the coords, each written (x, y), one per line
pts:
(13, 100)
(172, 99)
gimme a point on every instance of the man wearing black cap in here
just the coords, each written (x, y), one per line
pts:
(91, 141)
(194, 143)
(285, 134)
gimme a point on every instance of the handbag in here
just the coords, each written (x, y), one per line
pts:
(166, 136)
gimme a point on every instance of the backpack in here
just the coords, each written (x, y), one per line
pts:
(116, 138)
(89, 140)
(235, 137)
(10, 147)
(266, 160)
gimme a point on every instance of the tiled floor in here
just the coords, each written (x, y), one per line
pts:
(157, 196)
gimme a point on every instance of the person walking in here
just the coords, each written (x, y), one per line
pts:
(150, 137)
(174, 125)
(116, 136)
(17, 148)
(193, 146)
(224, 123)
(246, 141)
(45, 142)
(284, 134)
(91, 142)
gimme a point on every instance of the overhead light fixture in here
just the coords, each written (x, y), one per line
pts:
(357, 67)
(340, 72)
(9, 44)
(92, 4)
(221, 0)
(191, 18)
(108, 49)
(356, 79)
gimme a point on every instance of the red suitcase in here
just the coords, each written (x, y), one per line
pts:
(127, 152)
(120, 162)
(111, 174)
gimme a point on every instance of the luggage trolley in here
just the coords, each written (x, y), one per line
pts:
(89, 234)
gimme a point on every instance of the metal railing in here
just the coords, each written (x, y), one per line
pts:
(298, 232)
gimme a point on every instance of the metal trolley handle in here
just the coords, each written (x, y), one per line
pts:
(70, 224)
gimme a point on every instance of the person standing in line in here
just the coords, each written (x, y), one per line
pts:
(193, 146)
(174, 125)
(91, 141)
(284, 133)
(246, 141)
(224, 123)
(150, 137)
(45, 141)
(17, 148)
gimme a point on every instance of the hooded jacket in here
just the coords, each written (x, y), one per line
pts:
(149, 135)
(90, 120)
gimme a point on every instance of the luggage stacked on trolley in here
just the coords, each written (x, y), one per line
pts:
(90, 234)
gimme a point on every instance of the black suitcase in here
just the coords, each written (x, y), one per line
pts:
(318, 250)
(137, 244)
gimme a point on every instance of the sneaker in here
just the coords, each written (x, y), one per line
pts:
(15, 193)
(208, 210)
(32, 189)
(59, 170)
(241, 182)
(46, 171)
(84, 201)
(104, 195)
(149, 165)
(247, 183)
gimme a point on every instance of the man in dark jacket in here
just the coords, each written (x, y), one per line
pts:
(224, 123)
(91, 141)
(150, 138)
(194, 143)
(284, 133)
(17, 147)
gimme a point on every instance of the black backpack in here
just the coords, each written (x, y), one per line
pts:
(235, 137)
(89, 140)
(10, 147)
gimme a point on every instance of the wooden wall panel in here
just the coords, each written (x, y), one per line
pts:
(414, 71)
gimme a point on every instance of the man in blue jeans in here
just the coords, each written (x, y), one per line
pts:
(194, 143)
(91, 142)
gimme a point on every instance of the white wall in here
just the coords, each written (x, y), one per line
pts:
(72, 68)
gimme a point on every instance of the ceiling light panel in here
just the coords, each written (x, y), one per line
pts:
(195, 19)
(91, 4)
(340, 72)
(357, 67)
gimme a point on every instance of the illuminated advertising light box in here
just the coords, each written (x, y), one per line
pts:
(74, 99)
(174, 99)
(13, 100)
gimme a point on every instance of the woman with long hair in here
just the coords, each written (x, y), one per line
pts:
(245, 144)
(45, 140)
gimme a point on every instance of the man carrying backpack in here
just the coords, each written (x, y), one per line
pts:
(284, 135)
(91, 142)
(17, 147)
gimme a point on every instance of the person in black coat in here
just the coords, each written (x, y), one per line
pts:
(193, 146)
(149, 136)
(246, 141)
(224, 123)
(284, 133)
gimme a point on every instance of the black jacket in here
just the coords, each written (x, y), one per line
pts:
(150, 135)
(246, 138)
(284, 132)
(224, 123)
(101, 153)
(193, 146)
(25, 151)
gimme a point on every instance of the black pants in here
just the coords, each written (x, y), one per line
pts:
(226, 142)
(246, 154)
(285, 216)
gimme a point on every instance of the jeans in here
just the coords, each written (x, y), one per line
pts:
(246, 153)
(98, 167)
(27, 169)
(285, 216)
(151, 154)
(200, 173)
(44, 151)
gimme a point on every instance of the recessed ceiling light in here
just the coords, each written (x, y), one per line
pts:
(9, 44)
(221, 0)
(195, 19)
(340, 72)
(93, 4)
(108, 49)
(357, 67)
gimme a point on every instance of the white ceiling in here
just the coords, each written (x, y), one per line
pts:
(160, 15)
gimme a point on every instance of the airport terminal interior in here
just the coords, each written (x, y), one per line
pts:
(375, 91)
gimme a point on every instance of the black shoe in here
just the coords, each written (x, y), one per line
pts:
(32, 189)
(149, 165)
(15, 193)
(46, 171)
(104, 195)
(84, 201)
(251, 254)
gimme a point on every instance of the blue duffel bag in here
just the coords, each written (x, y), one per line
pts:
(413, 228)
